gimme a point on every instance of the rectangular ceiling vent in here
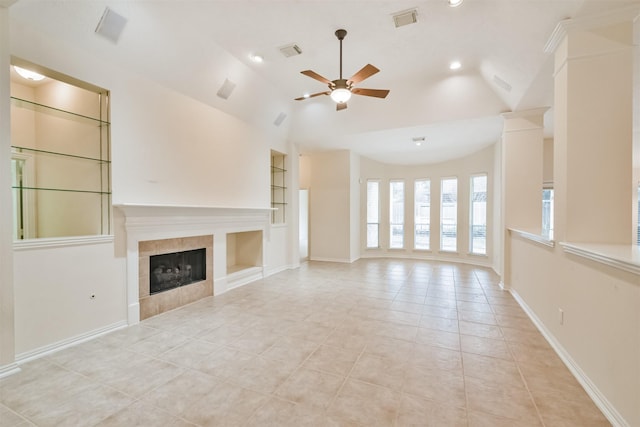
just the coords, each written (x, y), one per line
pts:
(111, 25)
(406, 17)
(501, 83)
(290, 50)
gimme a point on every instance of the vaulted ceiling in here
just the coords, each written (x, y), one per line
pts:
(193, 46)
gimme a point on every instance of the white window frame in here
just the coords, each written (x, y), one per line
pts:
(417, 222)
(377, 223)
(442, 248)
(547, 220)
(395, 225)
(472, 216)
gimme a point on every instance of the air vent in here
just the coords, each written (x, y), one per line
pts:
(278, 121)
(501, 83)
(406, 17)
(225, 90)
(111, 25)
(290, 50)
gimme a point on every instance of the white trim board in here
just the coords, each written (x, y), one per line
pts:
(609, 411)
(70, 342)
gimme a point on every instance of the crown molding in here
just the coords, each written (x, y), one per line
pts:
(629, 13)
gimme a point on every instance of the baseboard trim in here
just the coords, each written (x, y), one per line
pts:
(70, 342)
(322, 259)
(609, 411)
(9, 369)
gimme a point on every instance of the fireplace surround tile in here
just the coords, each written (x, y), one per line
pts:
(151, 305)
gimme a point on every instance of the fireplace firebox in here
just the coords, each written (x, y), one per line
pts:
(172, 270)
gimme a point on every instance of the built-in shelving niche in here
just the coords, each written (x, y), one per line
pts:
(244, 255)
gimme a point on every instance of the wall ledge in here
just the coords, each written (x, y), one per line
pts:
(58, 242)
(621, 257)
(534, 237)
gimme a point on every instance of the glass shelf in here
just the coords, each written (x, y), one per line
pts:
(56, 112)
(34, 150)
(17, 187)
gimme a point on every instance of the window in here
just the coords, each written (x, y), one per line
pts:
(373, 214)
(547, 212)
(638, 227)
(60, 158)
(396, 215)
(478, 215)
(422, 214)
(278, 188)
(449, 215)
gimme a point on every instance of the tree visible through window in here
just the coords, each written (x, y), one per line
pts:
(449, 215)
(422, 214)
(396, 215)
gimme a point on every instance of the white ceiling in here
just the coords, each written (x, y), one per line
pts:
(193, 46)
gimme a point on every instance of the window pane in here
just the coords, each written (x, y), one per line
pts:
(478, 221)
(449, 215)
(396, 214)
(422, 214)
(547, 213)
(373, 212)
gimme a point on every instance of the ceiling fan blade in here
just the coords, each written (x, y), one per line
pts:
(366, 72)
(341, 106)
(378, 93)
(316, 76)
(302, 98)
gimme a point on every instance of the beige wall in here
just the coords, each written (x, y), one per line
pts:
(330, 206)
(601, 328)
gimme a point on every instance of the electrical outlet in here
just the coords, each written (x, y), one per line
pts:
(561, 316)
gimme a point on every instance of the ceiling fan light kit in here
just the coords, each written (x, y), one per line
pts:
(340, 90)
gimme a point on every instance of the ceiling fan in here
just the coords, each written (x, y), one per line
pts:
(341, 89)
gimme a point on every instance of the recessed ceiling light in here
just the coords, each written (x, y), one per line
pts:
(28, 74)
(455, 3)
(418, 140)
(256, 58)
(455, 65)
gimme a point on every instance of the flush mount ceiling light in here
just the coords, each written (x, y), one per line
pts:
(454, 3)
(258, 59)
(341, 89)
(28, 74)
(455, 65)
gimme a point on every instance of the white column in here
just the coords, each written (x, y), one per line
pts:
(522, 165)
(593, 134)
(7, 329)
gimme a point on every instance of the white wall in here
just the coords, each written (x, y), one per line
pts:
(54, 285)
(480, 162)
(354, 206)
(166, 149)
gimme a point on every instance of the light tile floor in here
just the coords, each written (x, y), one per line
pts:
(374, 343)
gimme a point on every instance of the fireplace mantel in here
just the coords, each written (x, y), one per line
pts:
(154, 222)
